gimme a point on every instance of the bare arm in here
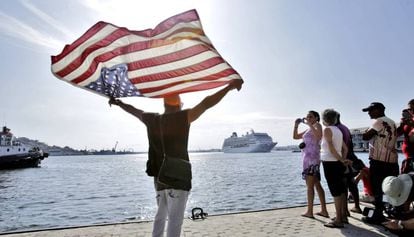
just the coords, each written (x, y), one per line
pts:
(393, 224)
(296, 134)
(370, 133)
(127, 107)
(212, 100)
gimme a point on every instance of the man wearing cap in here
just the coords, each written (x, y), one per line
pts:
(168, 136)
(399, 191)
(383, 157)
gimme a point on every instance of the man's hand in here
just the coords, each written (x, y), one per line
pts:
(113, 101)
(392, 224)
(236, 84)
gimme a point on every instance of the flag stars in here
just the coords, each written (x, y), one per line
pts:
(114, 82)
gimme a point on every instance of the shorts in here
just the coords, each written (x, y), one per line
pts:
(335, 177)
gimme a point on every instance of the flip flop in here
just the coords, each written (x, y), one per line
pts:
(311, 217)
(333, 225)
(320, 214)
(345, 221)
(356, 210)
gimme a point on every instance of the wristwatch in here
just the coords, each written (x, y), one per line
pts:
(400, 226)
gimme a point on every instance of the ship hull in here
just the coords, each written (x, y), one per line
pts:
(261, 148)
(22, 160)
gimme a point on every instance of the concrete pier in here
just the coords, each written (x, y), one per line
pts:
(276, 222)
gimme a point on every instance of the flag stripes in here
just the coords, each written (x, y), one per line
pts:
(175, 57)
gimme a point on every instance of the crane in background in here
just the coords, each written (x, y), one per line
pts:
(114, 149)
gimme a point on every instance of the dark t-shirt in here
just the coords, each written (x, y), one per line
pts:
(175, 131)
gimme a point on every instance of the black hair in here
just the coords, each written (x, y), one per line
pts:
(316, 114)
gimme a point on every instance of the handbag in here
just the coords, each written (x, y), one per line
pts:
(174, 172)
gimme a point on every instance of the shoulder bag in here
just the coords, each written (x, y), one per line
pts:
(174, 172)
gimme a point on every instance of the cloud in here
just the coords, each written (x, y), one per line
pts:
(17, 29)
(47, 19)
(22, 30)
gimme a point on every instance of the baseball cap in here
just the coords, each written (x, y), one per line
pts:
(374, 105)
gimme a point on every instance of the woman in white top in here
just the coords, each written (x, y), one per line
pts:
(333, 159)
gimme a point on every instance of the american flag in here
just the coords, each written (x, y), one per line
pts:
(175, 57)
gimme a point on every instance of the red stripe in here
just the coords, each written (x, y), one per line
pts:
(206, 79)
(88, 34)
(101, 44)
(121, 50)
(178, 72)
(167, 24)
(204, 86)
(188, 16)
(168, 58)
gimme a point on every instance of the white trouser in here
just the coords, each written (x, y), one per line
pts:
(171, 203)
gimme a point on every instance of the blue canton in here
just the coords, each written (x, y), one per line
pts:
(114, 82)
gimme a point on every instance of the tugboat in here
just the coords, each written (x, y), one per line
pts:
(14, 154)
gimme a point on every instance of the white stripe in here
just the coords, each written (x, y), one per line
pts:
(126, 40)
(186, 62)
(107, 30)
(200, 74)
(132, 57)
(187, 85)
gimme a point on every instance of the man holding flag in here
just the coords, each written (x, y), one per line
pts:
(173, 58)
(168, 136)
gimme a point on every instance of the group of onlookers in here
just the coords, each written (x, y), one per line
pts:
(332, 146)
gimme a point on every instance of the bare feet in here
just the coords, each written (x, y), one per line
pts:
(308, 215)
(323, 214)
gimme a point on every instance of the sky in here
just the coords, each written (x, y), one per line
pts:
(293, 55)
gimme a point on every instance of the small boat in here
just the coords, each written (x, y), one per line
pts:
(249, 143)
(14, 154)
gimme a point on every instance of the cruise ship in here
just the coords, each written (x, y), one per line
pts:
(249, 143)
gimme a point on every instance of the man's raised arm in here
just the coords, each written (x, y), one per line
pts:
(212, 100)
(127, 107)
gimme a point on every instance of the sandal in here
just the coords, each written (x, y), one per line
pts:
(356, 210)
(344, 222)
(334, 225)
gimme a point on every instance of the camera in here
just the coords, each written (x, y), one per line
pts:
(302, 145)
(301, 120)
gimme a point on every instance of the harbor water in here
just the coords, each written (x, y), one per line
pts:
(84, 190)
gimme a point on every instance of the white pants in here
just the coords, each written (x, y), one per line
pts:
(171, 203)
